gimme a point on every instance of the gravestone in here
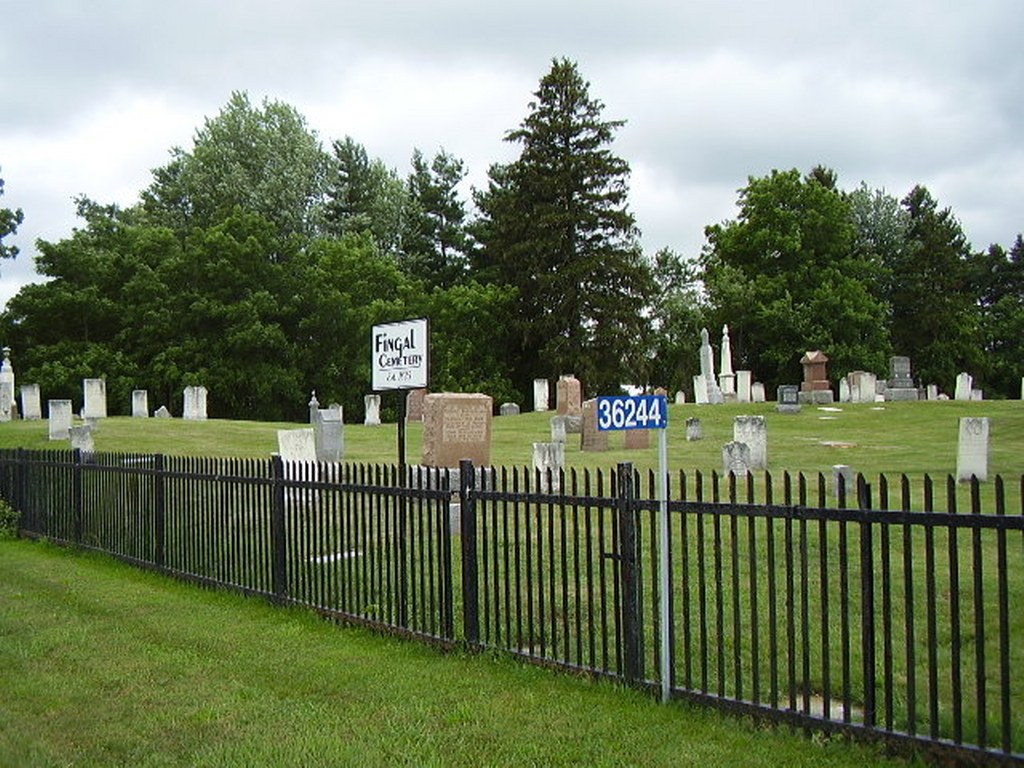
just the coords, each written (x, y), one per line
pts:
(744, 381)
(558, 429)
(162, 413)
(314, 407)
(736, 459)
(372, 403)
(844, 390)
(569, 395)
(977, 395)
(753, 431)
(815, 387)
(680, 397)
(901, 383)
(592, 438)
(933, 392)
(59, 418)
(637, 439)
(726, 377)
(541, 395)
(95, 398)
(862, 385)
(31, 402)
(972, 449)
(297, 444)
(81, 438)
(456, 426)
(788, 399)
(757, 392)
(140, 404)
(7, 404)
(549, 461)
(694, 431)
(414, 405)
(843, 473)
(700, 390)
(964, 385)
(329, 433)
(508, 409)
(194, 404)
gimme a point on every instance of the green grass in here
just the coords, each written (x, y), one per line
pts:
(106, 665)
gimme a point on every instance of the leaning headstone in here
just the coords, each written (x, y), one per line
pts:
(694, 431)
(592, 438)
(456, 426)
(558, 429)
(329, 434)
(843, 473)
(549, 461)
(81, 438)
(972, 450)
(59, 417)
(753, 431)
(757, 392)
(194, 404)
(372, 403)
(508, 409)
(162, 413)
(569, 395)
(541, 395)
(7, 404)
(736, 459)
(140, 404)
(414, 406)
(788, 399)
(964, 385)
(31, 402)
(95, 398)
(637, 439)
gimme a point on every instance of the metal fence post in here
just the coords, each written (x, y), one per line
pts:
(867, 588)
(159, 512)
(278, 548)
(78, 495)
(470, 574)
(629, 577)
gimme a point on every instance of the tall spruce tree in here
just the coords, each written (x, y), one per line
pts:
(555, 224)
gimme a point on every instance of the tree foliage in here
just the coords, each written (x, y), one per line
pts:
(556, 226)
(9, 221)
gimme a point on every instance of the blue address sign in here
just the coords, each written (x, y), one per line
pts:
(638, 412)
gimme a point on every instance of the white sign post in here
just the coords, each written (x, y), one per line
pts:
(649, 412)
(400, 355)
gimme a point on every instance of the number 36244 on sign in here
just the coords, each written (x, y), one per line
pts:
(638, 412)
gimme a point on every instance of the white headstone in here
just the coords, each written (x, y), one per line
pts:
(549, 458)
(329, 429)
(59, 418)
(95, 399)
(977, 394)
(541, 395)
(700, 390)
(297, 444)
(964, 385)
(753, 431)
(680, 397)
(194, 404)
(162, 413)
(743, 381)
(844, 390)
(933, 392)
(694, 430)
(508, 409)
(972, 451)
(31, 402)
(6, 387)
(372, 403)
(757, 392)
(736, 459)
(558, 429)
(81, 438)
(140, 404)
(844, 473)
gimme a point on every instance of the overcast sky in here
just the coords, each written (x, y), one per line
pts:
(93, 95)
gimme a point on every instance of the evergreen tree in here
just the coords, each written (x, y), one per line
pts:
(555, 225)
(435, 242)
(9, 221)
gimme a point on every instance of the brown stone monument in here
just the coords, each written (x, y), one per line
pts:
(414, 405)
(637, 439)
(456, 426)
(591, 438)
(569, 395)
(815, 387)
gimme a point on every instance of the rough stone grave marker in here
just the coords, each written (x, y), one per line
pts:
(592, 438)
(549, 460)
(694, 430)
(637, 439)
(414, 405)
(569, 395)
(81, 438)
(508, 409)
(558, 429)
(456, 426)
(972, 449)
(541, 395)
(736, 459)
(843, 473)
(162, 413)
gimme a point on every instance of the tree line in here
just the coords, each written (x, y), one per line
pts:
(256, 262)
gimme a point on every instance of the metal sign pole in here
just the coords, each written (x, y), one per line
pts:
(666, 617)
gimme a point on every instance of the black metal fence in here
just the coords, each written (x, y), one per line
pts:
(786, 601)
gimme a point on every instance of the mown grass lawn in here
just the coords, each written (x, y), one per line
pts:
(106, 665)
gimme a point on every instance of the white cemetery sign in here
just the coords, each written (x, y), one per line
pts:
(400, 355)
